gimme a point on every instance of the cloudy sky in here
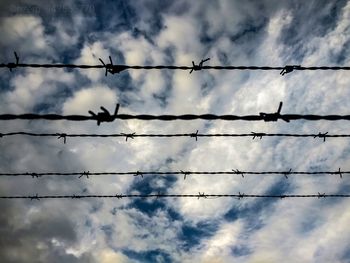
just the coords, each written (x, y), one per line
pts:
(262, 33)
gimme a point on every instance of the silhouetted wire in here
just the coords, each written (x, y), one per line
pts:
(52, 117)
(159, 195)
(115, 68)
(22, 65)
(195, 135)
(105, 116)
(181, 172)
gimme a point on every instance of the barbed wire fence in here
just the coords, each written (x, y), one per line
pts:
(105, 116)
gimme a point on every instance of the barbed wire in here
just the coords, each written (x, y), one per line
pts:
(180, 172)
(105, 116)
(113, 69)
(133, 135)
(160, 195)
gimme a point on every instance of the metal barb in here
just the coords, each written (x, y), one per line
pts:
(286, 173)
(35, 197)
(321, 195)
(138, 173)
(321, 135)
(110, 68)
(105, 116)
(238, 172)
(240, 195)
(273, 116)
(34, 175)
(62, 135)
(199, 66)
(289, 68)
(201, 195)
(258, 135)
(185, 174)
(84, 174)
(195, 135)
(159, 194)
(340, 173)
(129, 135)
(12, 65)
(119, 196)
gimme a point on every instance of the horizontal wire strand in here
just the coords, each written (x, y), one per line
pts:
(146, 117)
(181, 172)
(85, 66)
(105, 116)
(200, 195)
(191, 135)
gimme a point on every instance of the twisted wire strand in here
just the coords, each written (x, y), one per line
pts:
(134, 135)
(99, 66)
(198, 196)
(105, 116)
(186, 117)
(181, 172)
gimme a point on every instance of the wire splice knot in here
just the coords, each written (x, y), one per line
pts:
(289, 68)
(105, 116)
(110, 68)
(273, 116)
(199, 66)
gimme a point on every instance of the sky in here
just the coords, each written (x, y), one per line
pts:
(261, 33)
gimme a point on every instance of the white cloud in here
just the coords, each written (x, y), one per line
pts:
(91, 98)
(109, 256)
(34, 86)
(90, 55)
(26, 30)
(176, 33)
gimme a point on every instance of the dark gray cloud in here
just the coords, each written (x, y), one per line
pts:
(29, 233)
